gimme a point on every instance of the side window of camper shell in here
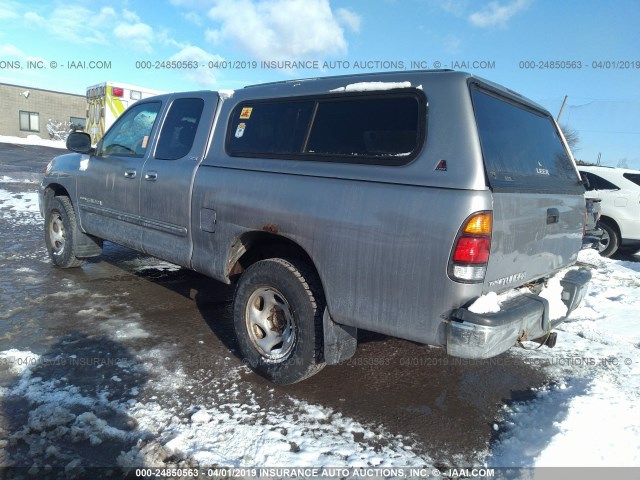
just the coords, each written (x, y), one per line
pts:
(380, 128)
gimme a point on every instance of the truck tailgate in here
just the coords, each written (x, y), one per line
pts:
(533, 234)
(538, 202)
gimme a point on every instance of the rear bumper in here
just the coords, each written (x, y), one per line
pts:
(526, 317)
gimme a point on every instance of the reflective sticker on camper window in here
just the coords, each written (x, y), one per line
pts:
(145, 140)
(240, 130)
(245, 114)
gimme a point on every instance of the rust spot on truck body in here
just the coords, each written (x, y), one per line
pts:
(270, 228)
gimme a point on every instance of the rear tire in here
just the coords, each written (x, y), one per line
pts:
(609, 242)
(277, 313)
(60, 225)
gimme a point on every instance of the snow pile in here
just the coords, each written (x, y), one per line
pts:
(487, 303)
(53, 418)
(258, 432)
(7, 179)
(591, 416)
(371, 86)
(23, 202)
(17, 362)
(21, 208)
(32, 140)
(226, 94)
(150, 263)
(552, 292)
(492, 302)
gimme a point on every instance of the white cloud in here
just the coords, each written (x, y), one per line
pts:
(280, 29)
(130, 16)
(74, 23)
(82, 25)
(452, 44)
(497, 14)
(137, 35)
(455, 7)
(193, 3)
(34, 18)
(8, 10)
(349, 18)
(193, 17)
(212, 36)
(201, 76)
(9, 50)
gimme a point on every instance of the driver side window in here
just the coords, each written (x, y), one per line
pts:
(130, 135)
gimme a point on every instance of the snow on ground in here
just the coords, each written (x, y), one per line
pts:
(232, 432)
(22, 207)
(32, 140)
(23, 202)
(7, 179)
(18, 362)
(591, 416)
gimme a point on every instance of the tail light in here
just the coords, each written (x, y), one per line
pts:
(470, 253)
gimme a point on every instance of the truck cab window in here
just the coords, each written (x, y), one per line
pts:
(179, 129)
(131, 133)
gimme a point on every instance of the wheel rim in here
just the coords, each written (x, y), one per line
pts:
(604, 241)
(270, 323)
(56, 233)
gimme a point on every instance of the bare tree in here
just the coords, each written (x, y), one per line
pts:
(622, 163)
(572, 136)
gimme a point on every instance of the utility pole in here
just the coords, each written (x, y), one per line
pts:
(562, 108)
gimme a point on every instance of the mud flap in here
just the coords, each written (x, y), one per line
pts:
(340, 341)
(87, 245)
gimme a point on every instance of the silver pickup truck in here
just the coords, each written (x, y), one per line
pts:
(433, 206)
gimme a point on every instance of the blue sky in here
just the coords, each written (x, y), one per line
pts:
(603, 104)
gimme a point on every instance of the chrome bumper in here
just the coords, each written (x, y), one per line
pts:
(472, 335)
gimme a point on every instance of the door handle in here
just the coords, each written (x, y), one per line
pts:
(130, 173)
(553, 215)
(151, 176)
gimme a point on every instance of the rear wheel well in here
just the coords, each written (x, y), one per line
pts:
(252, 247)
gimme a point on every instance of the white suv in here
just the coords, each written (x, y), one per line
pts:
(619, 189)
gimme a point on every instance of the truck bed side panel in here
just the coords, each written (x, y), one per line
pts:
(381, 256)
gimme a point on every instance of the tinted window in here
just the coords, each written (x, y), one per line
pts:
(384, 126)
(634, 177)
(179, 129)
(588, 186)
(521, 147)
(268, 128)
(374, 128)
(129, 136)
(596, 182)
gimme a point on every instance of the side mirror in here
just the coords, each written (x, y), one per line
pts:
(79, 142)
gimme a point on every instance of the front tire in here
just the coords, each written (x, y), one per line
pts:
(60, 225)
(609, 242)
(277, 310)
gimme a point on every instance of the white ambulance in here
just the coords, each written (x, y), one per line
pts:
(106, 101)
